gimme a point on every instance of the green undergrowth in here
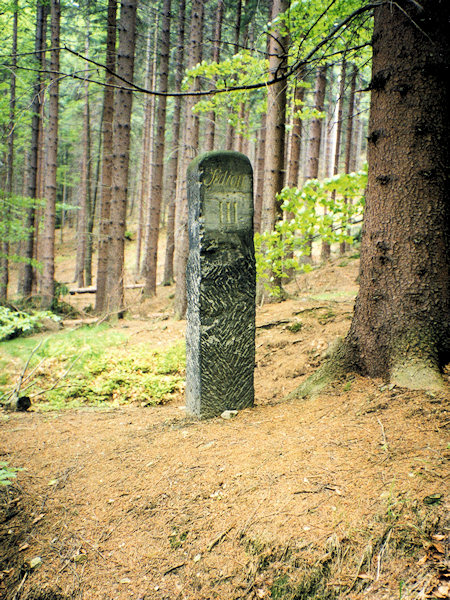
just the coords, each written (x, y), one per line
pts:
(16, 323)
(92, 366)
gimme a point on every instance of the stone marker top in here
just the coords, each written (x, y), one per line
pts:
(225, 194)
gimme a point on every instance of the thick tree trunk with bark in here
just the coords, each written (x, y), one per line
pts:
(401, 325)
(121, 154)
(104, 235)
(48, 241)
(156, 195)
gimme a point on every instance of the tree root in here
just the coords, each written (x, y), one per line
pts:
(417, 375)
(339, 362)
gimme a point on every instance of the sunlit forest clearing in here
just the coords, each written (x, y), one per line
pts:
(224, 300)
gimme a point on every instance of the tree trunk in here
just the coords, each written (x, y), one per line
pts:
(349, 137)
(146, 145)
(259, 180)
(211, 116)
(326, 249)
(173, 163)
(275, 125)
(48, 241)
(316, 125)
(121, 154)
(401, 324)
(296, 135)
(4, 262)
(107, 132)
(190, 149)
(26, 281)
(315, 136)
(84, 199)
(156, 195)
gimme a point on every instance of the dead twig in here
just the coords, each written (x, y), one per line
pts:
(219, 538)
(174, 568)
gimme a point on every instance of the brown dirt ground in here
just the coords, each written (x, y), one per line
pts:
(344, 496)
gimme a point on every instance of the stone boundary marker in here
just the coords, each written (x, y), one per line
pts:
(221, 283)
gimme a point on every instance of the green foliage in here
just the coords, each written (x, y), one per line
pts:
(88, 366)
(7, 474)
(239, 70)
(322, 210)
(14, 323)
(149, 377)
(12, 224)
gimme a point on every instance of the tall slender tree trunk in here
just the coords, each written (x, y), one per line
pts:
(274, 163)
(26, 281)
(231, 130)
(4, 246)
(84, 201)
(175, 152)
(296, 135)
(146, 145)
(121, 154)
(259, 179)
(93, 211)
(210, 128)
(316, 125)
(104, 235)
(349, 137)
(48, 241)
(189, 151)
(275, 125)
(156, 195)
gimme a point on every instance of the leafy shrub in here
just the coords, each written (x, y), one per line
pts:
(14, 323)
(324, 210)
(7, 473)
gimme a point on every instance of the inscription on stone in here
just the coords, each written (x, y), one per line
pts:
(220, 278)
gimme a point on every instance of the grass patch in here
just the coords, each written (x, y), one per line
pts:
(91, 367)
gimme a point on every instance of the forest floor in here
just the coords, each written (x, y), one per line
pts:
(343, 496)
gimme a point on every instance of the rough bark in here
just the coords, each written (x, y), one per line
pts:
(174, 152)
(4, 263)
(121, 152)
(84, 199)
(189, 149)
(210, 117)
(296, 136)
(107, 133)
(48, 241)
(401, 324)
(275, 125)
(157, 176)
(146, 146)
(26, 281)
(349, 141)
(315, 135)
(259, 187)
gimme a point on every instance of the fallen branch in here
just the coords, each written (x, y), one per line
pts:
(93, 290)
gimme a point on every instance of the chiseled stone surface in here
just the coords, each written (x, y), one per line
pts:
(220, 333)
